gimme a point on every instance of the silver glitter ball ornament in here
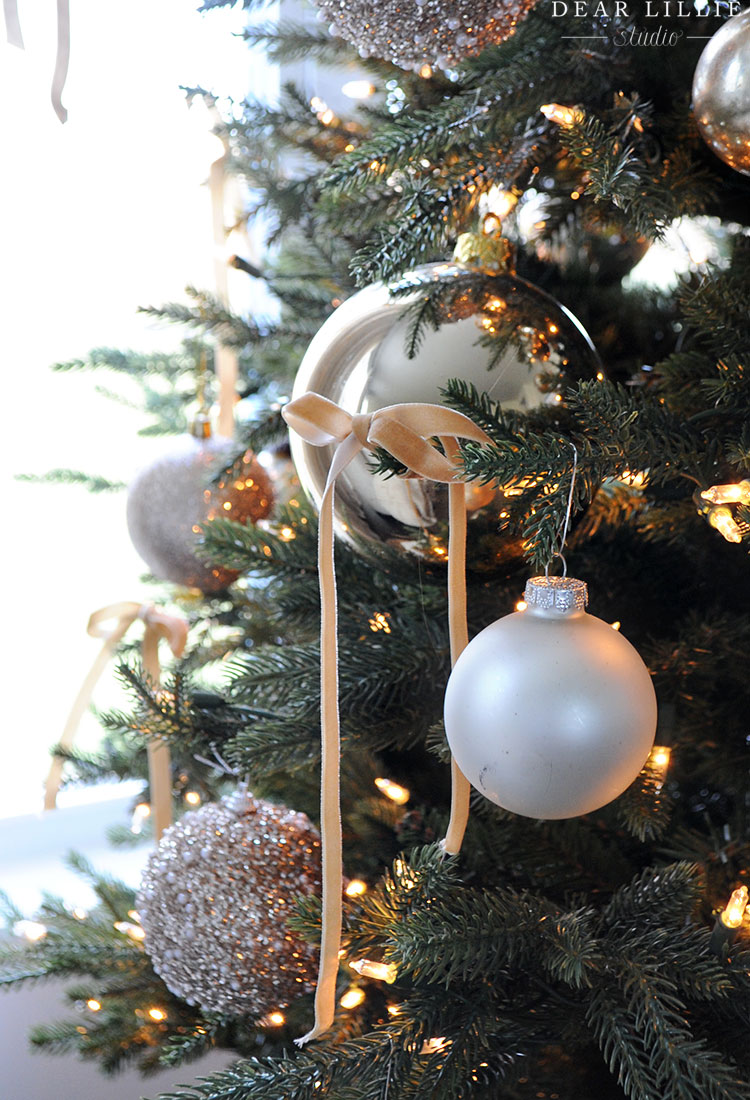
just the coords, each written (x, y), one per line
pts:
(413, 33)
(214, 902)
(721, 93)
(170, 500)
(497, 331)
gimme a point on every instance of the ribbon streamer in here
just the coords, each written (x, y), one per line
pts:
(226, 361)
(158, 625)
(12, 24)
(404, 431)
(62, 60)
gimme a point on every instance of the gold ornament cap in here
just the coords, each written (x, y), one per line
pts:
(201, 426)
(563, 594)
(490, 252)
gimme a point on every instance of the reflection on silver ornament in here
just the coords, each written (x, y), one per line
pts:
(420, 32)
(494, 330)
(214, 901)
(721, 93)
(550, 712)
(170, 500)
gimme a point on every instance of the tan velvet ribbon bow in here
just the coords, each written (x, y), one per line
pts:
(112, 624)
(404, 431)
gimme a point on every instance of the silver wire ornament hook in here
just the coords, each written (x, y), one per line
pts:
(556, 554)
(218, 763)
(563, 530)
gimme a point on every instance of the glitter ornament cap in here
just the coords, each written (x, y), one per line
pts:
(413, 33)
(556, 593)
(214, 901)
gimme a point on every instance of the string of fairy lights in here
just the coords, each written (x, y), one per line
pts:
(728, 920)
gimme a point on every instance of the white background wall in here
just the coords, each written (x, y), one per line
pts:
(98, 216)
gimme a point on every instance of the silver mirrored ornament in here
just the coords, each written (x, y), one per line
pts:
(497, 331)
(721, 93)
(413, 33)
(214, 900)
(550, 712)
(171, 498)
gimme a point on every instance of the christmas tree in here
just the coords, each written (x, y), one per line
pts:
(587, 939)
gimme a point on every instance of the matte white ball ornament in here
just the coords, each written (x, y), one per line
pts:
(550, 712)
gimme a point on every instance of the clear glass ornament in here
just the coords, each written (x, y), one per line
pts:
(721, 93)
(495, 330)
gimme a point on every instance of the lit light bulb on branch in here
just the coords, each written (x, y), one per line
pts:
(358, 89)
(394, 791)
(658, 763)
(273, 1019)
(734, 913)
(380, 971)
(562, 115)
(728, 494)
(134, 931)
(352, 998)
(435, 1045)
(729, 920)
(720, 517)
(140, 814)
(31, 930)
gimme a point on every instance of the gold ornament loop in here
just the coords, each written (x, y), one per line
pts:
(405, 432)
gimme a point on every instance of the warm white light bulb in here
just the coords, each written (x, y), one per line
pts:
(398, 794)
(380, 971)
(30, 929)
(352, 998)
(134, 931)
(657, 764)
(728, 494)
(722, 519)
(735, 910)
(435, 1045)
(562, 115)
(358, 89)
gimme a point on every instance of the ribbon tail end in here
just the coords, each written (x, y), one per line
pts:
(314, 1033)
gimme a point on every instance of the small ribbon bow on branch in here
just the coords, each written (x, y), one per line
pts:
(112, 624)
(405, 432)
